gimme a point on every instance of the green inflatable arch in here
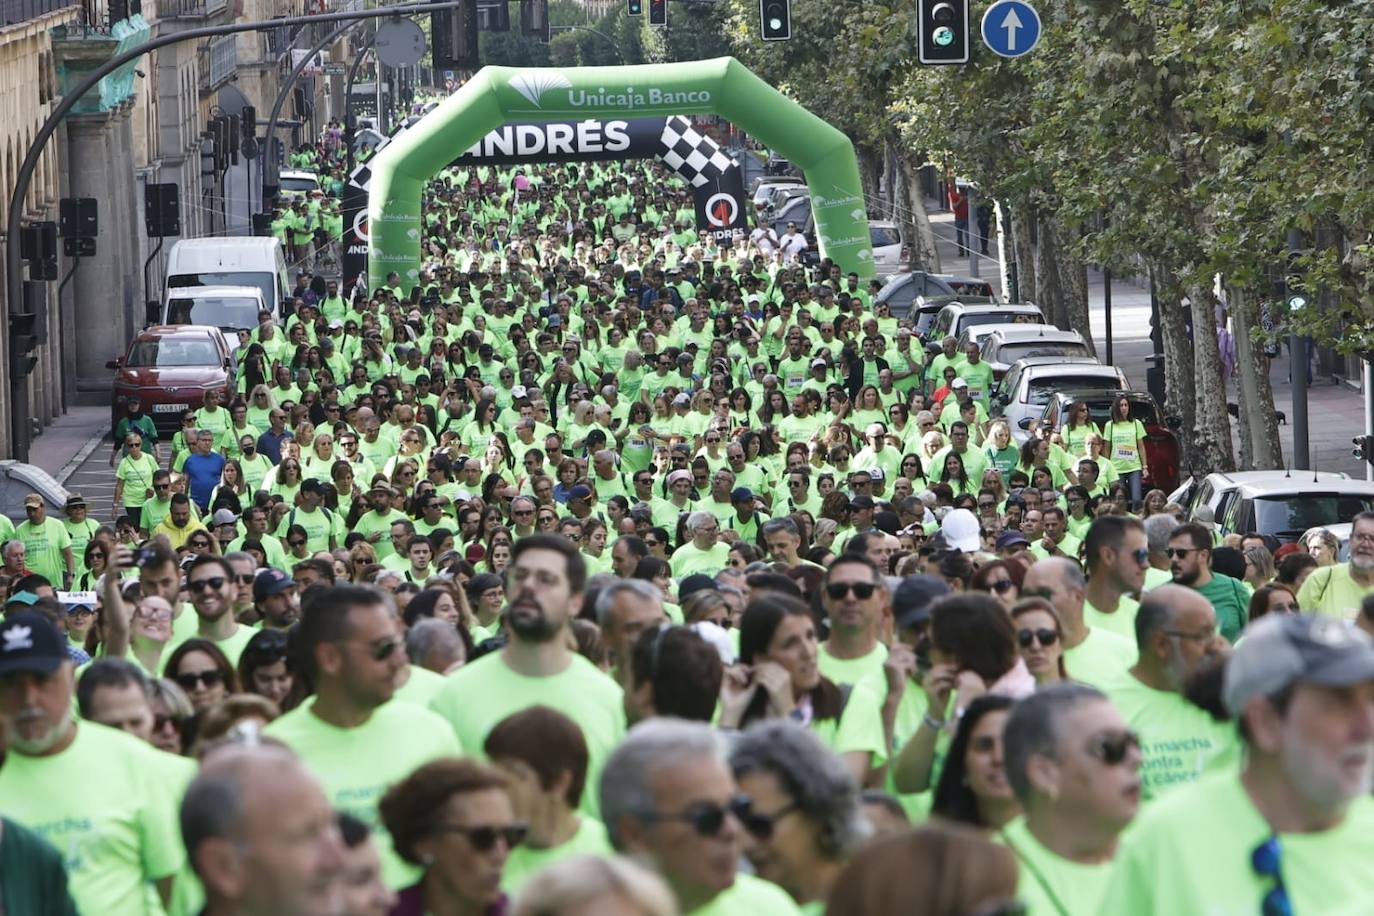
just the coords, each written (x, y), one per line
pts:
(722, 86)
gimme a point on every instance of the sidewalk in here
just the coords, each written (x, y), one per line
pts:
(1335, 411)
(71, 438)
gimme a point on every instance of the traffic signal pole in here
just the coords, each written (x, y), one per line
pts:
(20, 433)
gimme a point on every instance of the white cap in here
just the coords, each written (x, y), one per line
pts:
(960, 528)
(519, 391)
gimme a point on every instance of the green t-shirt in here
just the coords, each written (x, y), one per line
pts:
(749, 896)
(357, 765)
(420, 687)
(1100, 658)
(868, 667)
(581, 692)
(324, 528)
(1189, 855)
(105, 804)
(1231, 600)
(232, 646)
(138, 479)
(525, 861)
(43, 547)
(859, 729)
(1123, 440)
(1179, 741)
(1051, 885)
(1329, 590)
(979, 380)
(1121, 621)
(689, 559)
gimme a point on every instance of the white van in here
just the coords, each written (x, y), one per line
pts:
(229, 308)
(230, 261)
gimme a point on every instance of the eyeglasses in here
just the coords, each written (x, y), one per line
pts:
(1045, 637)
(1001, 586)
(1267, 861)
(1113, 748)
(245, 580)
(988, 504)
(1179, 552)
(1141, 556)
(214, 583)
(383, 650)
(191, 679)
(483, 839)
(707, 819)
(862, 590)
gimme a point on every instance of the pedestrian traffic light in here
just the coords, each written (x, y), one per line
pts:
(775, 19)
(658, 12)
(943, 32)
(634, 7)
(1364, 448)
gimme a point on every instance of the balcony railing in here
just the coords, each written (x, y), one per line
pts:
(13, 12)
(190, 9)
(218, 62)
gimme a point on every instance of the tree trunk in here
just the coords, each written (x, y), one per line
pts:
(1255, 399)
(1178, 358)
(1049, 280)
(925, 255)
(1074, 275)
(1022, 232)
(868, 175)
(1211, 425)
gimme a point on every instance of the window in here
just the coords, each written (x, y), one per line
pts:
(882, 236)
(1289, 515)
(168, 353)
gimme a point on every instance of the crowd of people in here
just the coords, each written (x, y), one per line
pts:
(615, 569)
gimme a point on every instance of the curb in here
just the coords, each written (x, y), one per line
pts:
(85, 452)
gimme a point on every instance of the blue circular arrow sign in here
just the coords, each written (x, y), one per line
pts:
(1011, 28)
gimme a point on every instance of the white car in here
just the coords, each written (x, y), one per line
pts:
(768, 183)
(1004, 344)
(297, 184)
(889, 250)
(1030, 384)
(1281, 503)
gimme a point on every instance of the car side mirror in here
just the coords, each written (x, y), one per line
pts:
(1025, 422)
(114, 363)
(152, 312)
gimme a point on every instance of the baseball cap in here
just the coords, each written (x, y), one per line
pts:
(960, 529)
(818, 364)
(581, 491)
(958, 383)
(1010, 539)
(519, 391)
(741, 495)
(75, 501)
(271, 582)
(336, 325)
(26, 598)
(223, 517)
(312, 485)
(682, 400)
(912, 599)
(876, 474)
(29, 641)
(696, 582)
(33, 500)
(1281, 649)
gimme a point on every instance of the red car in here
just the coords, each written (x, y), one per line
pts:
(1161, 444)
(169, 368)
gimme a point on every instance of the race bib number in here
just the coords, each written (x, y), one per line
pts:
(795, 381)
(1125, 453)
(975, 394)
(635, 442)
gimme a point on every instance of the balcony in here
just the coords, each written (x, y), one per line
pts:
(190, 9)
(218, 62)
(13, 12)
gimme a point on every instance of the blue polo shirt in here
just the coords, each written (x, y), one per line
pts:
(203, 473)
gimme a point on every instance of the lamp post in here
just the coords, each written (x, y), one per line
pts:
(20, 436)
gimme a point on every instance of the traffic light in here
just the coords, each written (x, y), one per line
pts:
(634, 7)
(24, 333)
(1364, 448)
(658, 12)
(943, 32)
(454, 33)
(775, 17)
(534, 19)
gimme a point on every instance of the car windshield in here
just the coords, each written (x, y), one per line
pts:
(261, 279)
(1041, 390)
(299, 184)
(971, 287)
(1010, 353)
(219, 311)
(925, 320)
(172, 352)
(1289, 515)
(884, 235)
(1100, 410)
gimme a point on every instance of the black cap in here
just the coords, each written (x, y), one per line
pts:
(911, 602)
(861, 502)
(696, 582)
(31, 642)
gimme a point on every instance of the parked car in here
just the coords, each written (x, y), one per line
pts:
(1281, 503)
(169, 368)
(1030, 384)
(1007, 343)
(779, 196)
(296, 184)
(956, 316)
(911, 289)
(1162, 452)
(768, 183)
(889, 249)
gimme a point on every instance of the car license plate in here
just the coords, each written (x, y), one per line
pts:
(168, 408)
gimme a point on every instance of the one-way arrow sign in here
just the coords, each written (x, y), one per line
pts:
(1011, 28)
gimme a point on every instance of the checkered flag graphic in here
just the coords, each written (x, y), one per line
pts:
(361, 177)
(695, 157)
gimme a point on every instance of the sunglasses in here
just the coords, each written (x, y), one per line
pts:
(862, 590)
(383, 650)
(191, 679)
(707, 819)
(483, 839)
(161, 722)
(1266, 860)
(1046, 637)
(1112, 749)
(1001, 586)
(215, 583)
(1179, 552)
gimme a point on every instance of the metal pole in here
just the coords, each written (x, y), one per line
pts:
(350, 123)
(1107, 309)
(14, 276)
(971, 201)
(1297, 370)
(1368, 384)
(271, 171)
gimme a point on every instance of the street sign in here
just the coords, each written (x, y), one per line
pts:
(1011, 28)
(333, 68)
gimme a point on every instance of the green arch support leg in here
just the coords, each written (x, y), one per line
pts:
(722, 86)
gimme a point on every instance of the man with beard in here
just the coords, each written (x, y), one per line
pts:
(98, 794)
(1176, 630)
(1337, 591)
(1190, 561)
(544, 587)
(1292, 829)
(214, 591)
(349, 733)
